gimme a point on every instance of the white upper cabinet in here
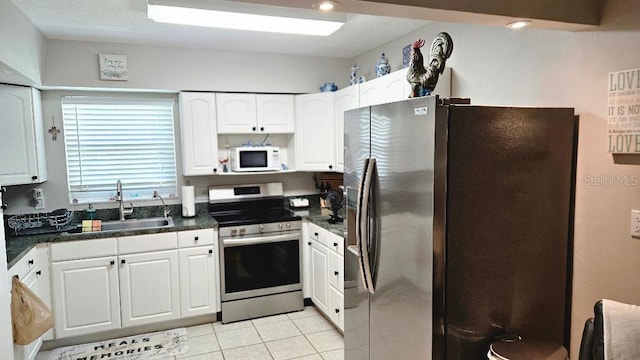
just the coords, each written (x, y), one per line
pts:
(315, 135)
(199, 133)
(395, 87)
(22, 136)
(389, 88)
(255, 113)
(276, 114)
(345, 99)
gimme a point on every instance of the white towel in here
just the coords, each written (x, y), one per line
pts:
(621, 330)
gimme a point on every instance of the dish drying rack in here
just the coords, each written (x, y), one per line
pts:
(40, 223)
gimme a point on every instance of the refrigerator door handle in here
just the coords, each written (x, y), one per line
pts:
(363, 235)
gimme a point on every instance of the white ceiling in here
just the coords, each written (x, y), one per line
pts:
(125, 21)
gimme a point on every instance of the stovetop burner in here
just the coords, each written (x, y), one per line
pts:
(262, 205)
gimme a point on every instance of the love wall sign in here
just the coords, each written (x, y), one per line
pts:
(623, 115)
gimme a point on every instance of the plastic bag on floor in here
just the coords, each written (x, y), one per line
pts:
(30, 316)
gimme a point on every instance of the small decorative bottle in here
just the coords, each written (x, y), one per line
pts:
(382, 66)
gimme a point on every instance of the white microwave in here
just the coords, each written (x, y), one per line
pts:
(256, 158)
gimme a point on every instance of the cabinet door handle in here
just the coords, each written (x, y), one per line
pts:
(3, 206)
(335, 244)
(337, 311)
(34, 177)
(210, 251)
(336, 273)
(38, 272)
(315, 234)
(112, 262)
(122, 261)
(30, 262)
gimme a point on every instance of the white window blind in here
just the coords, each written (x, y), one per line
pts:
(111, 139)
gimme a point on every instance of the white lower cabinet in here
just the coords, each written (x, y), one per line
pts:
(33, 271)
(86, 296)
(149, 287)
(113, 283)
(197, 281)
(319, 262)
(336, 307)
(326, 272)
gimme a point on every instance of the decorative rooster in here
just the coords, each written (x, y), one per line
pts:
(422, 80)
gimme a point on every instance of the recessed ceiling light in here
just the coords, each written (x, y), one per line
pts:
(519, 24)
(326, 5)
(241, 21)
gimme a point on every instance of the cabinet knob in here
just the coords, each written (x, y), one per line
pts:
(112, 262)
(215, 170)
(195, 238)
(309, 243)
(39, 272)
(335, 244)
(315, 234)
(253, 128)
(30, 262)
(330, 167)
(122, 261)
(336, 273)
(337, 311)
(34, 177)
(262, 128)
(210, 251)
(3, 206)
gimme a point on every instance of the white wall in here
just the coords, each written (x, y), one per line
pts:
(73, 63)
(22, 47)
(544, 68)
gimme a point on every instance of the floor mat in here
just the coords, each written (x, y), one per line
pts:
(152, 346)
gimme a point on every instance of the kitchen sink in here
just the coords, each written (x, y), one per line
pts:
(137, 224)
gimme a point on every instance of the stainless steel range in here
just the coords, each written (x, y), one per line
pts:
(260, 257)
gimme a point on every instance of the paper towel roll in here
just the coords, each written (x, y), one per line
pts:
(188, 201)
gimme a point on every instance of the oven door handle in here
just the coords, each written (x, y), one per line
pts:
(260, 239)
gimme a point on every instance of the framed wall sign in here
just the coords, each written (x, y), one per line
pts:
(113, 67)
(623, 114)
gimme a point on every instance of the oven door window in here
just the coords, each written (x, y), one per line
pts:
(258, 266)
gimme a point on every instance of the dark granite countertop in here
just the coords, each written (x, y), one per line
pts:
(318, 216)
(18, 246)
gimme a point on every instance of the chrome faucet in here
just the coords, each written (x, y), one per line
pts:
(166, 211)
(119, 198)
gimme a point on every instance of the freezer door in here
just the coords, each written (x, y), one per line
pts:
(356, 296)
(403, 145)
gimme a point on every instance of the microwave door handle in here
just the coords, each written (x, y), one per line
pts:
(364, 222)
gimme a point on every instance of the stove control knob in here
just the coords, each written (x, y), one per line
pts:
(288, 226)
(279, 226)
(261, 228)
(234, 231)
(242, 231)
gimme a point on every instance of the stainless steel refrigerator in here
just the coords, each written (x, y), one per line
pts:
(459, 222)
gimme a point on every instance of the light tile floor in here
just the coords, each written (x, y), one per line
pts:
(303, 335)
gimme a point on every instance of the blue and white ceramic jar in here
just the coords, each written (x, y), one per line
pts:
(382, 66)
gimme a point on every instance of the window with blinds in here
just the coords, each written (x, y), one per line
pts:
(111, 139)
